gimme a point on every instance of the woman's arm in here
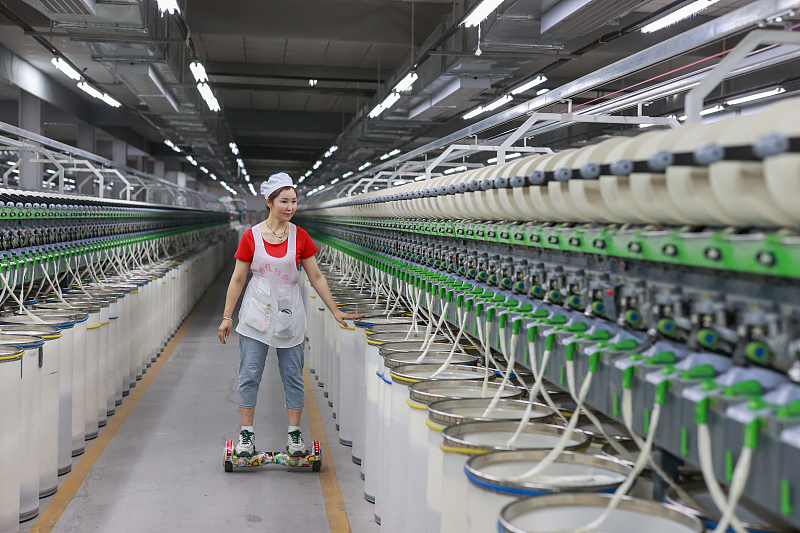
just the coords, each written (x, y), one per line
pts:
(238, 280)
(320, 285)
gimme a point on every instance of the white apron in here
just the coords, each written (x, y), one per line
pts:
(272, 309)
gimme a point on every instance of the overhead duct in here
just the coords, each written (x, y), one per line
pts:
(143, 80)
(579, 17)
(69, 7)
(458, 91)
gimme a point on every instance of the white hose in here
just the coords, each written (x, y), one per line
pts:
(707, 467)
(447, 361)
(510, 361)
(573, 422)
(21, 306)
(740, 475)
(534, 392)
(644, 456)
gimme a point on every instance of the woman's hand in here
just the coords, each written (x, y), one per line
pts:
(225, 330)
(341, 317)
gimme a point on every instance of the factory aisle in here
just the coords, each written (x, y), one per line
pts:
(162, 470)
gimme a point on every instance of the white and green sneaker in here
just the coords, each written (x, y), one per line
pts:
(295, 445)
(246, 447)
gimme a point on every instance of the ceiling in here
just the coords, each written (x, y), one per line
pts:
(261, 58)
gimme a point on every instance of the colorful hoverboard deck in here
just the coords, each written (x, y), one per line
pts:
(312, 459)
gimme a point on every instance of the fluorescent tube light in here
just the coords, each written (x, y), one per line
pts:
(88, 89)
(390, 154)
(455, 169)
(208, 96)
(168, 6)
(317, 164)
(678, 15)
(331, 150)
(480, 13)
(756, 96)
(406, 83)
(213, 177)
(191, 160)
(540, 92)
(246, 178)
(387, 103)
(334, 181)
(65, 67)
(172, 145)
(312, 82)
(240, 162)
(474, 113)
(234, 148)
(307, 174)
(538, 80)
(419, 178)
(365, 166)
(489, 107)
(398, 182)
(347, 174)
(198, 71)
(715, 109)
(509, 157)
(301, 179)
(204, 170)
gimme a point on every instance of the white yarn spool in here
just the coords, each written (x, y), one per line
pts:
(616, 190)
(586, 193)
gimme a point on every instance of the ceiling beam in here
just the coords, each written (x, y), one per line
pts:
(296, 72)
(315, 91)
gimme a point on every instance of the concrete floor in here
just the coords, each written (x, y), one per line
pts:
(162, 471)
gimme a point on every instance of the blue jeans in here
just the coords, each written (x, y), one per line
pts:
(251, 367)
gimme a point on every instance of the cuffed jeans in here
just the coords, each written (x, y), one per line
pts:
(251, 367)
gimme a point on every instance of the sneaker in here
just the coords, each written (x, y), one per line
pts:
(246, 447)
(295, 445)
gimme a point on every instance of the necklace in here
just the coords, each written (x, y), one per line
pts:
(280, 237)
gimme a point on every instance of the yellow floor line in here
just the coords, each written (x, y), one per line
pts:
(47, 520)
(331, 495)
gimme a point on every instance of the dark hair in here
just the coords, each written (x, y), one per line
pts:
(275, 193)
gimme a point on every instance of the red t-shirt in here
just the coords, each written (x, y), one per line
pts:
(247, 247)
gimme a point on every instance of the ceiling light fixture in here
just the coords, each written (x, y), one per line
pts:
(715, 109)
(168, 6)
(191, 160)
(756, 96)
(455, 169)
(66, 68)
(489, 107)
(398, 183)
(317, 164)
(204, 170)
(678, 15)
(213, 177)
(88, 89)
(347, 174)
(198, 71)
(386, 156)
(172, 145)
(312, 82)
(234, 148)
(481, 11)
(240, 162)
(538, 80)
(334, 181)
(387, 103)
(364, 166)
(406, 83)
(208, 96)
(301, 179)
(509, 157)
(307, 174)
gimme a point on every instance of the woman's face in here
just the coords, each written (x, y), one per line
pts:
(284, 205)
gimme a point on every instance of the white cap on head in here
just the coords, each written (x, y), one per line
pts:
(275, 182)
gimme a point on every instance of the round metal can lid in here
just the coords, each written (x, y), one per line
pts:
(432, 357)
(45, 332)
(570, 472)
(426, 392)
(486, 436)
(451, 412)
(61, 320)
(23, 341)
(574, 510)
(10, 353)
(408, 374)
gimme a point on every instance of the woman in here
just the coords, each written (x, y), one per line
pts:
(272, 311)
